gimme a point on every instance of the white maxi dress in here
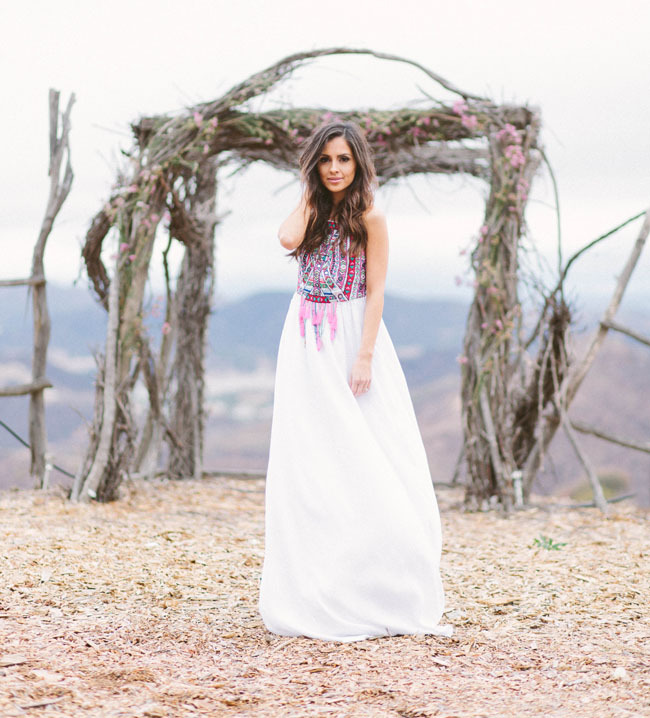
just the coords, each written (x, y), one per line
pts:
(353, 537)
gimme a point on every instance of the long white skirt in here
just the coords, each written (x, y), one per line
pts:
(352, 524)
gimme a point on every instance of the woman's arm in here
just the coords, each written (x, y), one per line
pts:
(292, 230)
(376, 267)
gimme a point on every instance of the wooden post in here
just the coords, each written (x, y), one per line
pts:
(59, 190)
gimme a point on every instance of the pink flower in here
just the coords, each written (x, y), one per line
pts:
(123, 247)
(206, 148)
(459, 107)
(119, 201)
(327, 117)
(268, 141)
(146, 223)
(214, 122)
(198, 118)
(155, 217)
(132, 188)
(436, 122)
(509, 134)
(499, 324)
(131, 257)
(484, 325)
(492, 290)
(516, 157)
(462, 360)
(469, 121)
(426, 120)
(484, 230)
(166, 328)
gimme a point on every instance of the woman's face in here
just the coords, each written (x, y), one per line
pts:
(337, 167)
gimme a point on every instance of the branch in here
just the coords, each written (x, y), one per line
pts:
(32, 281)
(565, 271)
(611, 324)
(613, 438)
(597, 489)
(574, 379)
(581, 368)
(264, 80)
(86, 487)
(22, 389)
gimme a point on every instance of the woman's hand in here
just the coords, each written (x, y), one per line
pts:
(360, 376)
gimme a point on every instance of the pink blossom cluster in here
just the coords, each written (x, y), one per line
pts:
(522, 189)
(124, 247)
(515, 155)
(498, 326)
(469, 121)
(509, 134)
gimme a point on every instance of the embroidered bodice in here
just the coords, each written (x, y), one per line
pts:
(330, 273)
(326, 276)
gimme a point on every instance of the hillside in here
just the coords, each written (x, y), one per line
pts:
(148, 607)
(242, 343)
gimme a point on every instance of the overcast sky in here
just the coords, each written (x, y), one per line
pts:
(584, 63)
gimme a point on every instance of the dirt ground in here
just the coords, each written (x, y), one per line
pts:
(148, 607)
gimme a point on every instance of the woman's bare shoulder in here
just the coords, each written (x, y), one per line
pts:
(374, 217)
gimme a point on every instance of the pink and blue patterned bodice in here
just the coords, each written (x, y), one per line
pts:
(328, 275)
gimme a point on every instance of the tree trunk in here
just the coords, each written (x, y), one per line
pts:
(110, 457)
(192, 303)
(491, 341)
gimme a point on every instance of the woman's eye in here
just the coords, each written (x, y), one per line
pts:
(345, 159)
(323, 160)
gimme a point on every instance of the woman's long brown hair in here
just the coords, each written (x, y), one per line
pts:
(358, 196)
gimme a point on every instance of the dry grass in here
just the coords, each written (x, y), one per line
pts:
(147, 607)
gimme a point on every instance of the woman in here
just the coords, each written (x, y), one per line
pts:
(352, 524)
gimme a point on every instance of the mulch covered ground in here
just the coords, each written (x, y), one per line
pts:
(147, 607)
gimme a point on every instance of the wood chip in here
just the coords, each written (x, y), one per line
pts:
(174, 628)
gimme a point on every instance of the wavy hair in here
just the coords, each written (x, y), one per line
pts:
(358, 198)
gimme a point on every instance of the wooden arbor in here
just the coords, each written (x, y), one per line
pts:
(171, 179)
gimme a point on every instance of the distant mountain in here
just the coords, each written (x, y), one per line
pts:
(240, 332)
(243, 337)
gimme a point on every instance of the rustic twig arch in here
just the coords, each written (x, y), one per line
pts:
(172, 179)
